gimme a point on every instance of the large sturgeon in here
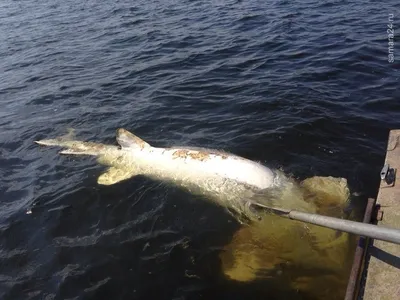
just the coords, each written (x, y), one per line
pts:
(229, 180)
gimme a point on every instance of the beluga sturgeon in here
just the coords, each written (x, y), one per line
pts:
(224, 178)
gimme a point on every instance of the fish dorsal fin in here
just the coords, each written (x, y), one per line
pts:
(114, 175)
(128, 140)
(70, 134)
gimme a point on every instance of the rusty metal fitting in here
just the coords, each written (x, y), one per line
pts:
(379, 215)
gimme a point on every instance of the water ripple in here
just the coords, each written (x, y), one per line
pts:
(300, 85)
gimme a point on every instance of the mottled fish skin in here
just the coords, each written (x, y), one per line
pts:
(224, 178)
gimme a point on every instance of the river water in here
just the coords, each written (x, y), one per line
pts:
(304, 86)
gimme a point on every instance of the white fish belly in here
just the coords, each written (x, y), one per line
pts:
(190, 165)
(225, 179)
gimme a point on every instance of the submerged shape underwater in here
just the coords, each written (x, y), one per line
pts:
(302, 89)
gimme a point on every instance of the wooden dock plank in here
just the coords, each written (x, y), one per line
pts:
(382, 280)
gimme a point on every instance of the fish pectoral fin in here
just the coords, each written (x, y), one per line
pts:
(114, 175)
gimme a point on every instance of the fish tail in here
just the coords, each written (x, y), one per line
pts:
(73, 147)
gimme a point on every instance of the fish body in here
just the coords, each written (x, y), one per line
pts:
(224, 178)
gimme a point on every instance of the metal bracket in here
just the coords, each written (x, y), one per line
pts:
(377, 214)
(384, 171)
(388, 174)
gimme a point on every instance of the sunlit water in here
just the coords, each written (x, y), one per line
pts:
(304, 86)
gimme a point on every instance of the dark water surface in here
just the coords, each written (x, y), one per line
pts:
(301, 85)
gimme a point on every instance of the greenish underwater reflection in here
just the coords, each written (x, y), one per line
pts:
(313, 261)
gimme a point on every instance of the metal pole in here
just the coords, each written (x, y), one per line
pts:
(369, 230)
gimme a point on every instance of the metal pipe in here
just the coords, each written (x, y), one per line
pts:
(369, 230)
(359, 254)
